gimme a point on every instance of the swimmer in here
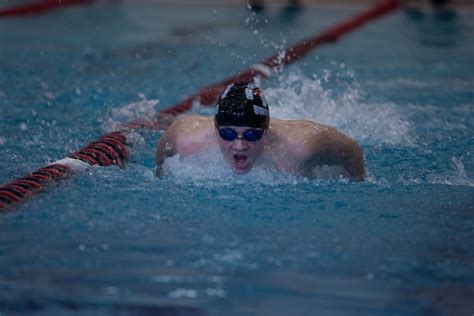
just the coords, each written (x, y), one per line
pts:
(245, 135)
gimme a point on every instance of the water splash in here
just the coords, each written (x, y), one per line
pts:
(253, 22)
(335, 98)
(130, 112)
(458, 177)
(209, 169)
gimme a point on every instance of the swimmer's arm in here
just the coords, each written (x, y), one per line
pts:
(335, 148)
(186, 136)
(166, 148)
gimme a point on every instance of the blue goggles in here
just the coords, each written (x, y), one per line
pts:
(251, 135)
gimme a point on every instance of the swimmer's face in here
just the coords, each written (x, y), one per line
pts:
(240, 153)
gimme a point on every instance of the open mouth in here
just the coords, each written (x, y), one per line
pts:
(240, 161)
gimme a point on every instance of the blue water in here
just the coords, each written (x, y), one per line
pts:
(202, 241)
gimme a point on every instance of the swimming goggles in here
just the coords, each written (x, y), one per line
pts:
(251, 135)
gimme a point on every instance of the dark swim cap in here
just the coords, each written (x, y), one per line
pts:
(242, 104)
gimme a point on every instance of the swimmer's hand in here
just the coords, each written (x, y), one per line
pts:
(166, 147)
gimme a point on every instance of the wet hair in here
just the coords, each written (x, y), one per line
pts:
(242, 104)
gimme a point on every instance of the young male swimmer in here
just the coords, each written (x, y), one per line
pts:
(246, 137)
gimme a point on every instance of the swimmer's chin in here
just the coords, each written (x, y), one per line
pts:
(241, 171)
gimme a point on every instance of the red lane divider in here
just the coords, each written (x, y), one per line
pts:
(111, 148)
(332, 34)
(40, 7)
(22, 188)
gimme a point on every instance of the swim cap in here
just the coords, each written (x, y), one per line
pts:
(242, 104)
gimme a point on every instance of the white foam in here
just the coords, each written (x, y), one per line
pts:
(458, 176)
(128, 113)
(210, 169)
(341, 106)
(207, 167)
(74, 164)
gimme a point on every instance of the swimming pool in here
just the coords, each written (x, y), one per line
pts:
(202, 241)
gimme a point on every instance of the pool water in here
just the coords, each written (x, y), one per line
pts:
(202, 241)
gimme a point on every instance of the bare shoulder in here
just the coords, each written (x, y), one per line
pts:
(301, 133)
(190, 134)
(190, 125)
(294, 139)
(186, 136)
(308, 144)
(299, 125)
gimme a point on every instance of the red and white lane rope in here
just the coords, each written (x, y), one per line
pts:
(111, 148)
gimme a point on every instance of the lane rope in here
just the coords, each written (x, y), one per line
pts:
(40, 7)
(112, 149)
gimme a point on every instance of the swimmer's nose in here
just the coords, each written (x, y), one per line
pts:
(240, 144)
